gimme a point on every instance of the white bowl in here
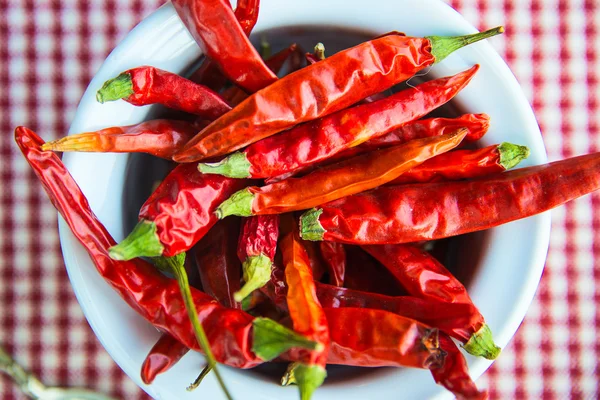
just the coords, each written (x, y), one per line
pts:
(511, 264)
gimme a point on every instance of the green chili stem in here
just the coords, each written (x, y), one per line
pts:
(199, 379)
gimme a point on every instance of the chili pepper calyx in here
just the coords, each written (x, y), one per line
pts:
(233, 166)
(320, 51)
(115, 89)
(307, 377)
(240, 204)
(141, 242)
(512, 154)
(257, 272)
(270, 339)
(443, 46)
(310, 227)
(207, 368)
(482, 344)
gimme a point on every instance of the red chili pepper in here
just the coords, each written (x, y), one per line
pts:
(217, 262)
(335, 181)
(305, 311)
(160, 137)
(177, 215)
(410, 213)
(321, 139)
(464, 164)
(424, 277)
(321, 89)
(148, 85)
(334, 256)
(366, 274)
(316, 261)
(164, 354)
(215, 28)
(256, 251)
(236, 338)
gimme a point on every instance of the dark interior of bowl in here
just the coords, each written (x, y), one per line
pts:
(461, 254)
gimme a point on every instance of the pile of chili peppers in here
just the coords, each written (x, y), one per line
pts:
(307, 204)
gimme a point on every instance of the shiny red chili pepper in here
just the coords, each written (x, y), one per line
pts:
(334, 257)
(256, 250)
(215, 28)
(164, 354)
(423, 276)
(318, 140)
(149, 85)
(160, 137)
(410, 213)
(464, 164)
(321, 89)
(335, 181)
(217, 263)
(177, 214)
(366, 274)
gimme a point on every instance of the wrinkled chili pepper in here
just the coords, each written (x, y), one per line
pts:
(425, 211)
(321, 139)
(164, 354)
(146, 85)
(305, 311)
(321, 89)
(177, 214)
(256, 250)
(216, 30)
(366, 274)
(236, 338)
(217, 262)
(464, 164)
(160, 137)
(424, 277)
(348, 177)
(334, 257)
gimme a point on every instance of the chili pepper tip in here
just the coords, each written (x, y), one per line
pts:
(270, 339)
(233, 166)
(141, 242)
(257, 272)
(512, 154)
(443, 46)
(482, 344)
(310, 227)
(240, 204)
(115, 89)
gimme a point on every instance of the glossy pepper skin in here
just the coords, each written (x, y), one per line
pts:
(323, 138)
(366, 274)
(147, 85)
(236, 338)
(321, 89)
(217, 263)
(444, 209)
(159, 137)
(215, 28)
(334, 257)
(164, 354)
(355, 175)
(424, 277)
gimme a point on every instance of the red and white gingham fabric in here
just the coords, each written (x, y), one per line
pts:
(49, 50)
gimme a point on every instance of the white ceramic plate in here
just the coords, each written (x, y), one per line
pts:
(505, 281)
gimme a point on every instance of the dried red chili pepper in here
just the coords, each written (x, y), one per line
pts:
(164, 354)
(321, 139)
(366, 274)
(256, 251)
(149, 85)
(215, 28)
(236, 338)
(177, 214)
(305, 311)
(217, 262)
(321, 89)
(444, 209)
(316, 261)
(464, 164)
(424, 277)
(160, 137)
(348, 177)
(334, 256)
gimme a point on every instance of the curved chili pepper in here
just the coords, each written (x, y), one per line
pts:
(464, 164)
(424, 277)
(256, 251)
(334, 256)
(321, 89)
(177, 214)
(366, 274)
(348, 177)
(321, 139)
(146, 85)
(214, 27)
(305, 311)
(159, 137)
(164, 354)
(444, 209)
(236, 338)
(217, 263)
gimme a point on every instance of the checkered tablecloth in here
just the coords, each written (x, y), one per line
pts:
(49, 50)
